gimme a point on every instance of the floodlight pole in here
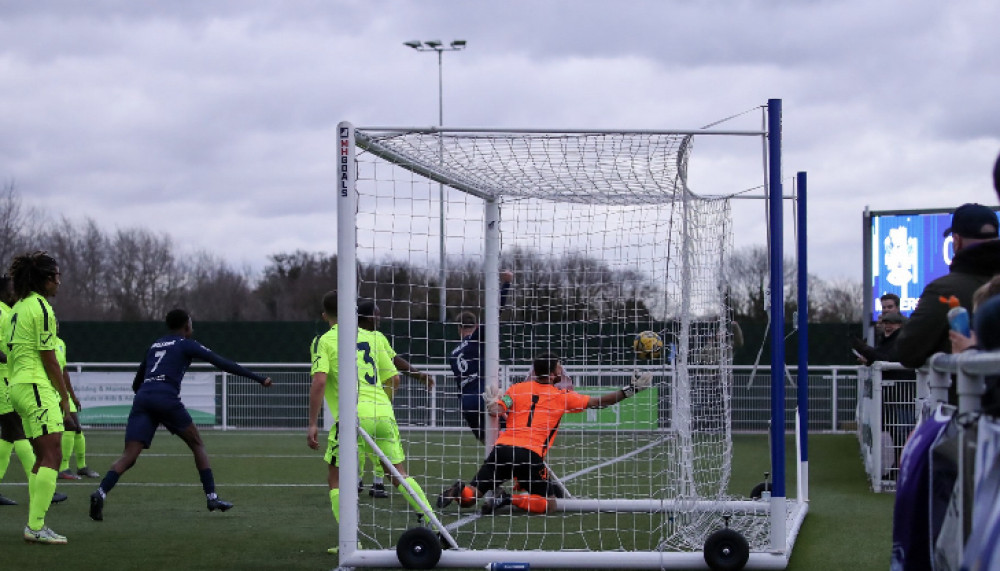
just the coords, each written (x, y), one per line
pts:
(440, 48)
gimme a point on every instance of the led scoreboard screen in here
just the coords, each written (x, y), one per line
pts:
(908, 251)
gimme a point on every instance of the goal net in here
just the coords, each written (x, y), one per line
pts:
(604, 240)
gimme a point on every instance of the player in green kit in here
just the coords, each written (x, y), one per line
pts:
(11, 431)
(378, 486)
(36, 388)
(73, 441)
(375, 414)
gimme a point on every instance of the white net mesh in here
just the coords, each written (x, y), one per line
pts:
(605, 241)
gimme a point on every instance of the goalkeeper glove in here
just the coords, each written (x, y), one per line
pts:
(491, 394)
(639, 383)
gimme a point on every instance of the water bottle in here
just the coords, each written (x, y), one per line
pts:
(958, 319)
(958, 316)
(508, 566)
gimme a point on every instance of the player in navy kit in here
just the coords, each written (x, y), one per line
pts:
(157, 388)
(465, 360)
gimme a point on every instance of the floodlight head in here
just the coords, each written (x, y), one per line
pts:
(433, 44)
(413, 44)
(458, 44)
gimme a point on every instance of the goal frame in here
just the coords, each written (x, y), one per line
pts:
(783, 529)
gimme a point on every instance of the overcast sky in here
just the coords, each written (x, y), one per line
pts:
(214, 121)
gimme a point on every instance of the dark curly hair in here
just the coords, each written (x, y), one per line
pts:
(30, 271)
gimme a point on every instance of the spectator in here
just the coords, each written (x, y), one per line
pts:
(987, 331)
(890, 322)
(977, 259)
(898, 413)
(960, 342)
(889, 303)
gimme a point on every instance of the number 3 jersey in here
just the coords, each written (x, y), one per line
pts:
(374, 357)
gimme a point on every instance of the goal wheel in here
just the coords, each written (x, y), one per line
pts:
(418, 548)
(759, 489)
(726, 550)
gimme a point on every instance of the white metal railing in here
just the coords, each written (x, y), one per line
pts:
(966, 512)
(223, 401)
(886, 414)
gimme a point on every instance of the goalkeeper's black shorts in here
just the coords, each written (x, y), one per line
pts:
(506, 462)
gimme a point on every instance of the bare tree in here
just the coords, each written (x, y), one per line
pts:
(14, 218)
(143, 275)
(838, 301)
(217, 292)
(748, 284)
(293, 284)
(82, 252)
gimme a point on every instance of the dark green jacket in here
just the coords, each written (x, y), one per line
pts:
(926, 332)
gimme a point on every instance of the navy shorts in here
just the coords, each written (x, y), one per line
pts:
(149, 410)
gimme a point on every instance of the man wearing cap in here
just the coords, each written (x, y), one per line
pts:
(890, 323)
(977, 259)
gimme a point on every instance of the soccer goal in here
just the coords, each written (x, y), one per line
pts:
(605, 240)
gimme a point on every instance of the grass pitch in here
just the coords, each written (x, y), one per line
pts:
(156, 517)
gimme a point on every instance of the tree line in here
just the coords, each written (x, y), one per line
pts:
(134, 274)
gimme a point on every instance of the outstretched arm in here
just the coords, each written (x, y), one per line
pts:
(639, 383)
(404, 366)
(226, 365)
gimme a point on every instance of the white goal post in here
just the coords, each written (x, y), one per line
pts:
(605, 239)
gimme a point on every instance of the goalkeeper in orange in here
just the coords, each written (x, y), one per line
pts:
(533, 410)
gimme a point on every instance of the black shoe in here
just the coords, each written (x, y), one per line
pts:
(500, 499)
(451, 494)
(97, 506)
(59, 497)
(5, 501)
(361, 486)
(378, 490)
(218, 504)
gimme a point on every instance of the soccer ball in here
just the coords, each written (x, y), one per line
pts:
(648, 345)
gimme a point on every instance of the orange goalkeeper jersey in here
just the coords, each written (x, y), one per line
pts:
(533, 414)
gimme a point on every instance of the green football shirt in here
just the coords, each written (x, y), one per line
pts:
(31, 328)
(374, 368)
(374, 361)
(324, 360)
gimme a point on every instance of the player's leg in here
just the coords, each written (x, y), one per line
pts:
(490, 478)
(42, 420)
(385, 432)
(80, 449)
(378, 483)
(494, 470)
(362, 458)
(12, 438)
(68, 439)
(192, 438)
(332, 460)
(473, 413)
(133, 448)
(139, 431)
(532, 475)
